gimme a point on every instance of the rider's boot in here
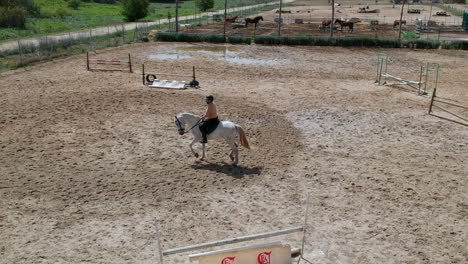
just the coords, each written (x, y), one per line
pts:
(204, 139)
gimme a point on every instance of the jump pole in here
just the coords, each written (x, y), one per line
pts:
(432, 105)
(232, 240)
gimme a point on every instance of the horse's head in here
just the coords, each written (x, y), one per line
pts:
(261, 18)
(338, 21)
(180, 124)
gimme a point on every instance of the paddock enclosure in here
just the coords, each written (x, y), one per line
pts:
(89, 160)
(305, 18)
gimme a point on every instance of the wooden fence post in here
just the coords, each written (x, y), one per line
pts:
(87, 61)
(130, 63)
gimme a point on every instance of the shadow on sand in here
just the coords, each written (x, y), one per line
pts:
(228, 169)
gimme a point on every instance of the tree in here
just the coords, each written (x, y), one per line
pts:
(29, 5)
(13, 13)
(135, 9)
(204, 5)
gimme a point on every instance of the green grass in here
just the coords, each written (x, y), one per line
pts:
(409, 35)
(91, 15)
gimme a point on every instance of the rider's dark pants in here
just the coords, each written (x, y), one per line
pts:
(208, 126)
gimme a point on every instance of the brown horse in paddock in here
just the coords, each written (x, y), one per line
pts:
(397, 23)
(326, 23)
(254, 21)
(284, 12)
(342, 23)
(231, 19)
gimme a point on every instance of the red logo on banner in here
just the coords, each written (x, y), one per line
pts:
(228, 260)
(264, 258)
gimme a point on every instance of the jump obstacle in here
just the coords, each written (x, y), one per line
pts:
(109, 64)
(428, 76)
(274, 252)
(151, 79)
(436, 100)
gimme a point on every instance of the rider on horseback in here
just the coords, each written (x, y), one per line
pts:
(210, 119)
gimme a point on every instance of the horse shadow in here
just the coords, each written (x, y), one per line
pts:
(228, 169)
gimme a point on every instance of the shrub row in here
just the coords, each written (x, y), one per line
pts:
(327, 41)
(422, 43)
(212, 38)
(190, 37)
(457, 44)
(312, 41)
(277, 40)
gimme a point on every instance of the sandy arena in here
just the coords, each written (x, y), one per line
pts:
(89, 159)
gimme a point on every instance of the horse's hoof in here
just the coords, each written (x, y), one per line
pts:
(196, 155)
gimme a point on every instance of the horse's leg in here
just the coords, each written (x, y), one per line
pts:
(191, 147)
(203, 153)
(234, 155)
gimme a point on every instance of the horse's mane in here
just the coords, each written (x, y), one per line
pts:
(187, 114)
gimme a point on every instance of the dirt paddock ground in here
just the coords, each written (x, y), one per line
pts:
(88, 160)
(313, 15)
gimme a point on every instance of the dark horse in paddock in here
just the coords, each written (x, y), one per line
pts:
(342, 23)
(253, 21)
(397, 23)
(231, 19)
(326, 23)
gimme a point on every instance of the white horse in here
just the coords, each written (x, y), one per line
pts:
(229, 131)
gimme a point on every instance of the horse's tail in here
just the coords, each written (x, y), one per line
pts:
(242, 138)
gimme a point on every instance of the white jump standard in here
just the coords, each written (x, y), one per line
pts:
(428, 76)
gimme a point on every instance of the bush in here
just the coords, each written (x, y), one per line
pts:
(327, 41)
(29, 5)
(389, 43)
(74, 4)
(135, 9)
(190, 37)
(62, 12)
(457, 44)
(204, 5)
(13, 17)
(423, 43)
(239, 40)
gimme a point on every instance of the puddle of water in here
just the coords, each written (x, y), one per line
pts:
(168, 56)
(229, 54)
(251, 61)
(213, 49)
